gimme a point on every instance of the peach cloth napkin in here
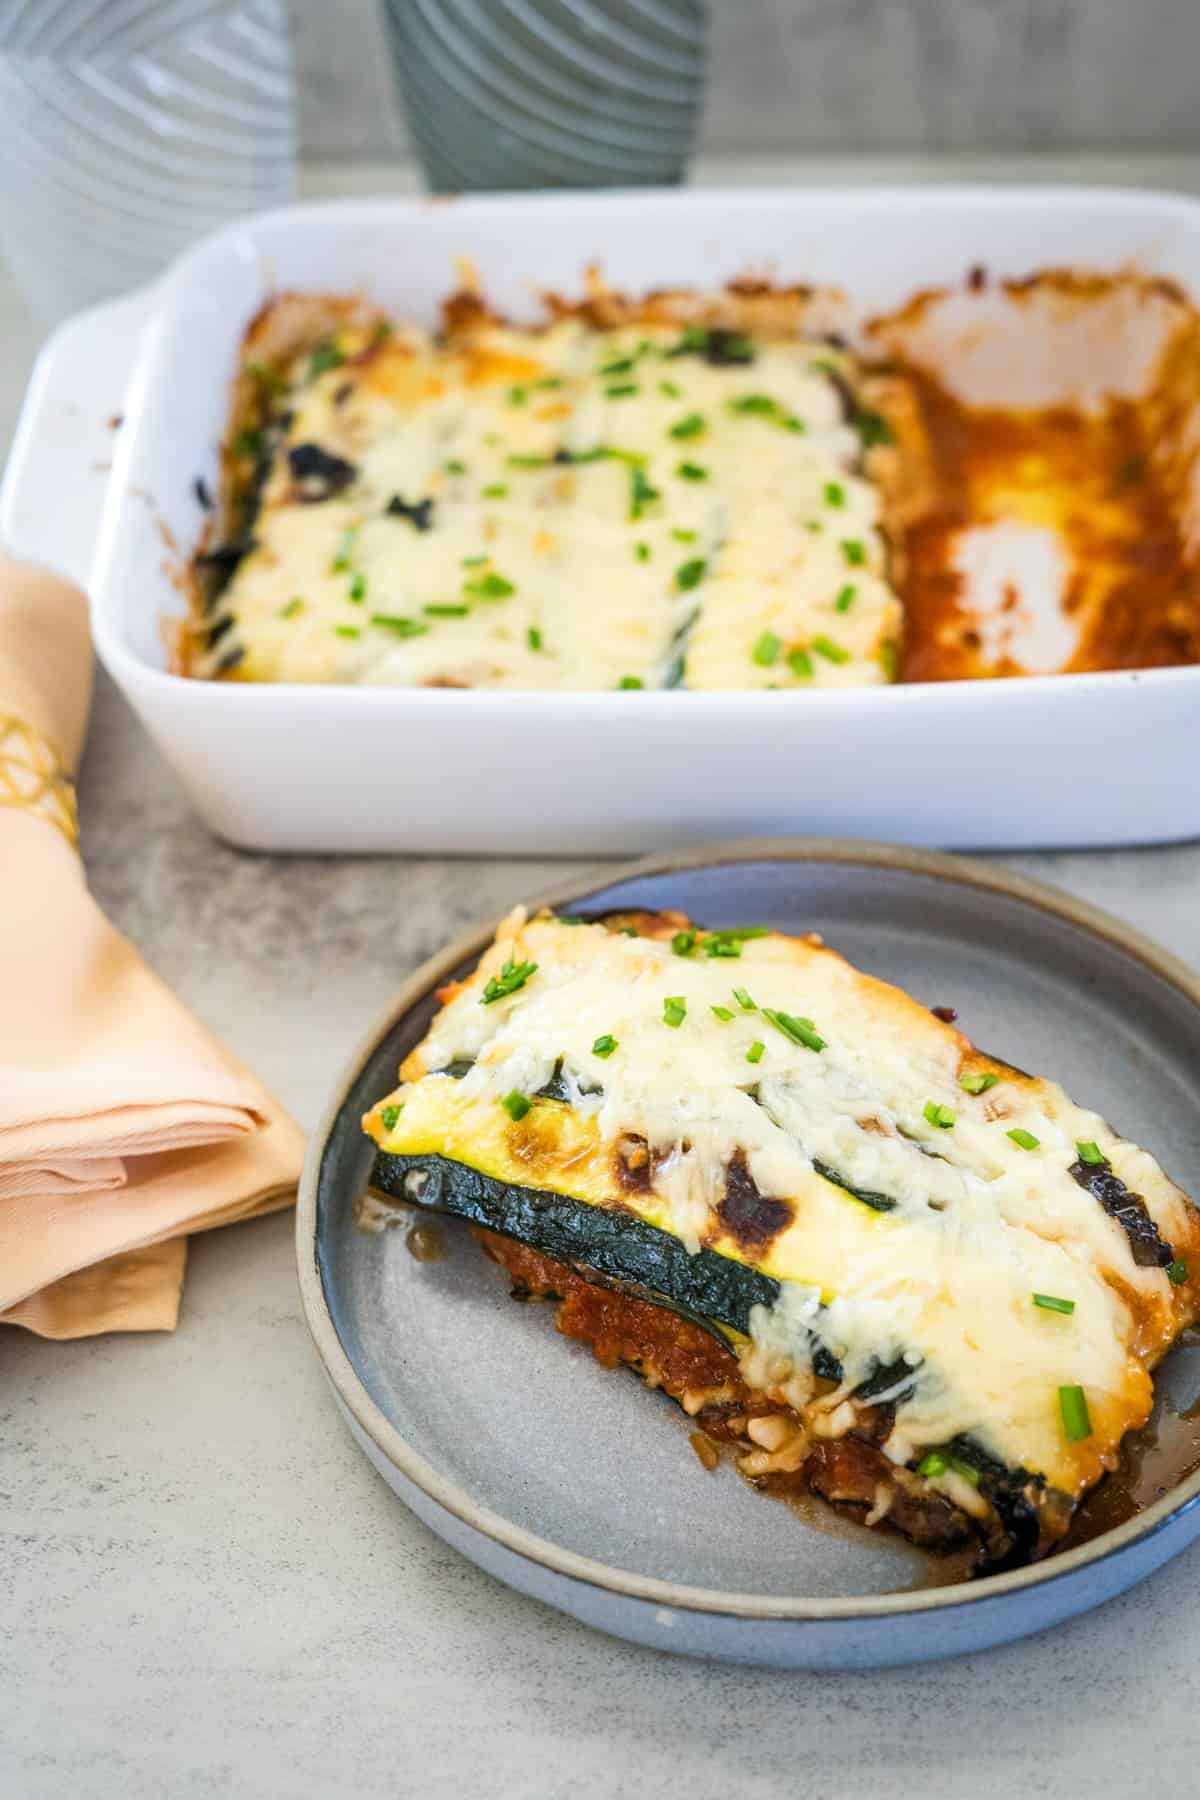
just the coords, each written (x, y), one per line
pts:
(123, 1125)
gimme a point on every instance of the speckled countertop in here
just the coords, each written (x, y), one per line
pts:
(206, 1590)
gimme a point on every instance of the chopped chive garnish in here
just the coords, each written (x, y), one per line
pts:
(854, 553)
(605, 1045)
(967, 1470)
(446, 612)
(534, 638)
(754, 403)
(347, 631)
(683, 943)
(512, 976)
(247, 443)
(801, 1031)
(718, 943)
(641, 493)
(723, 1013)
(689, 471)
(516, 1105)
(813, 525)
(1090, 1153)
(495, 490)
(490, 587)
(642, 552)
(527, 462)
(325, 356)
(766, 649)
(691, 426)
(682, 535)
(453, 466)
(933, 1464)
(475, 562)
(1024, 1139)
(1176, 1272)
(1052, 1303)
(741, 934)
(979, 1082)
(620, 366)
(791, 423)
(670, 388)
(939, 1115)
(388, 1116)
(292, 608)
(800, 663)
(691, 574)
(845, 599)
(889, 658)
(401, 626)
(872, 428)
(344, 551)
(517, 396)
(825, 646)
(622, 390)
(756, 1051)
(744, 1001)
(674, 1011)
(358, 585)
(546, 381)
(629, 682)
(1077, 1424)
(835, 494)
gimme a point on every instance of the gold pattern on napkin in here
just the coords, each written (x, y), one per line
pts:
(32, 777)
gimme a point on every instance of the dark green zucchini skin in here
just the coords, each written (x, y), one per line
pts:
(614, 1243)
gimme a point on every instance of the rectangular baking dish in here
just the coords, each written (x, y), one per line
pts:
(1031, 761)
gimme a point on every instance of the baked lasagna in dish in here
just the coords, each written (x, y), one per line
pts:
(626, 497)
(881, 1264)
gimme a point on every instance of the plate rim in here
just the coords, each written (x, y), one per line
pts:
(624, 1584)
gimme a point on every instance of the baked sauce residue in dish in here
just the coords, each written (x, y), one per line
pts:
(1128, 588)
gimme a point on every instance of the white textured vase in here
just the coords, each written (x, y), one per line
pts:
(549, 93)
(131, 128)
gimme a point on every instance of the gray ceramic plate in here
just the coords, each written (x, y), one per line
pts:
(578, 1485)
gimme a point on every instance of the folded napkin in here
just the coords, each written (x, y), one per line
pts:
(123, 1126)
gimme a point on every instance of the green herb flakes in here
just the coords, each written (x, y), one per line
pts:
(403, 627)
(490, 587)
(801, 1031)
(512, 976)
(674, 1011)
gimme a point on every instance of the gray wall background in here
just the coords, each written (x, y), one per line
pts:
(845, 75)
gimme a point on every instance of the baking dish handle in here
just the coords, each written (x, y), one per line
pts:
(57, 474)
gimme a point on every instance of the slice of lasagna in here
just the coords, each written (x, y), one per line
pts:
(635, 497)
(885, 1265)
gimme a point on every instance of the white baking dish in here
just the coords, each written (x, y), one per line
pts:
(1036, 760)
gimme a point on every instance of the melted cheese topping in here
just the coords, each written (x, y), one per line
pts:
(604, 513)
(942, 1283)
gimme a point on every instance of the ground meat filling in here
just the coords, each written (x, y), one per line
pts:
(688, 1363)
